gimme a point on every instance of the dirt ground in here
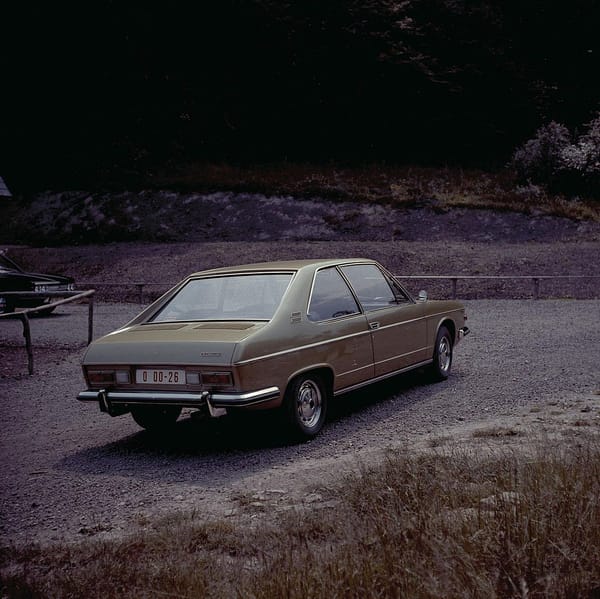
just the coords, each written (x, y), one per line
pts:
(528, 371)
(70, 472)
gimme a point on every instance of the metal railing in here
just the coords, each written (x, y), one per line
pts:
(535, 280)
(23, 315)
(139, 287)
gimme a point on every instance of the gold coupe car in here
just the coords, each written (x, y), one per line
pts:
(279, 335)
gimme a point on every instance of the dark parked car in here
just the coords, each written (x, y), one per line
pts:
(13, 278)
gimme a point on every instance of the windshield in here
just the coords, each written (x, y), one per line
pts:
(235, 297)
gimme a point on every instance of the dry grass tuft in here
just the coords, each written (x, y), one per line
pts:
(409, 186)
(448, 523)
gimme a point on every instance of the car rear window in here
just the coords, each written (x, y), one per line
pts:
(233, 297)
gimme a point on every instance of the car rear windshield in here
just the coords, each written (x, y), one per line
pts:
(233, 297)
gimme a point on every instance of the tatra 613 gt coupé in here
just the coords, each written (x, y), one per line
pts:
(280, 335)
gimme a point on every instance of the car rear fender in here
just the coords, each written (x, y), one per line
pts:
(324, 371)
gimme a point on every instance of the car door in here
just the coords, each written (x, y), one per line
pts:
(340, 330)
(397, 324)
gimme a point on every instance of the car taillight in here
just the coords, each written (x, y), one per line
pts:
(192, 378)
(122, 376)
(101, 377)
(221, 379)
(108, 377)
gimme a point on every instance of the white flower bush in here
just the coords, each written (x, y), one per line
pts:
(555, 159)
(584, 155)
(538, 159)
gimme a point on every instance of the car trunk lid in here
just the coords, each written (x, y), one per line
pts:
(180, 343)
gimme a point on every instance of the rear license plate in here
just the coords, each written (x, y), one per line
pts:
(162, 376)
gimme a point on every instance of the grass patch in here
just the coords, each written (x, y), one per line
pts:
(410, 186)
(446, 523)
(497, 431)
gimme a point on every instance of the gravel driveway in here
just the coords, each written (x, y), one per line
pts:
(69, 471)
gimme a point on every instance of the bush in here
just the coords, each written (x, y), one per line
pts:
(554, 159)
(580, 161)
(539, 159)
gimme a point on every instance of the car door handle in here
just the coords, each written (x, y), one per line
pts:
(373, 325)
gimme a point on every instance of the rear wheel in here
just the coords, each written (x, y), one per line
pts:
(442, 355)
(305, 406)
(156, 418)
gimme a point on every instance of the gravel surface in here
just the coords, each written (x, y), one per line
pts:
(69, 472)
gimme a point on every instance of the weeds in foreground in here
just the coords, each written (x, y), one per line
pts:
(442, 524)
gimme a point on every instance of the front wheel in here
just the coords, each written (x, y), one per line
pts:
(156, 419)
(305, 406)
(442, 355)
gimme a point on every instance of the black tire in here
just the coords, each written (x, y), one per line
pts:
(156, 419)
(442, 355)
(305, 406)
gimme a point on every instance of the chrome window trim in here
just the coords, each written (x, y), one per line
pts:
(175, 290)
(388, 278)
(345, 280)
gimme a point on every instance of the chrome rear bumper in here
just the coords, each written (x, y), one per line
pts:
(117, 402)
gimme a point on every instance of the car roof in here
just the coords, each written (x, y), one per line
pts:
(284, 265)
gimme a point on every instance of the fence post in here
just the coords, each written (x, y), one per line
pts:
(454, 285)
(140, 287)
(90, 318)
(27, 335)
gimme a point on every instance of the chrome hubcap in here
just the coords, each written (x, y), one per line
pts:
(308, 404)
(444, 354)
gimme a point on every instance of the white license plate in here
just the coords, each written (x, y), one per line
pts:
(162, 376)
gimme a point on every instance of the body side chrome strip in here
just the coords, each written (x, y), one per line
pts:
(300, 348)
(335, 339)
(381, 378)
(416, 351)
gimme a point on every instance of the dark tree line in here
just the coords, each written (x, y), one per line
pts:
(106, 86)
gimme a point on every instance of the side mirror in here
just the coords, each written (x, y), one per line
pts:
(422, 295)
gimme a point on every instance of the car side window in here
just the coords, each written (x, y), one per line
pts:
(372, 287)
(330, 297)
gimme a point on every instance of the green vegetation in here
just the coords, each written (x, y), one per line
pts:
(449, 522)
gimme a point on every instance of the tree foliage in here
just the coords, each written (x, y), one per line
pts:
(90, 87)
